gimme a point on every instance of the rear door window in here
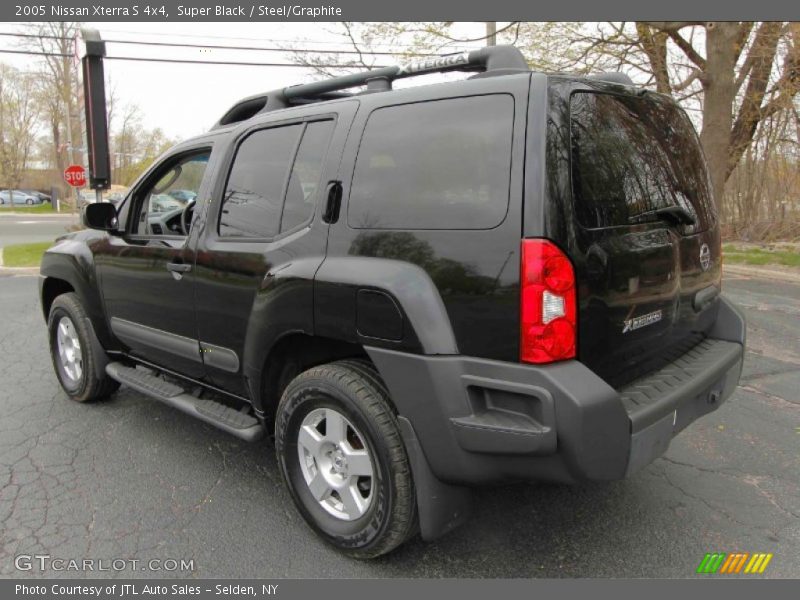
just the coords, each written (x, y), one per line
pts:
(273, 184)
(304, 181)
(633, 155)
(253, 200)
(442, 164)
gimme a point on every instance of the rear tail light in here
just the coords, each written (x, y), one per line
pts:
(548, 314)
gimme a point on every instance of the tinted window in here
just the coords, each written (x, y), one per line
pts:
(434, 165)
(253, 199)
(633, 155)
(301, 194)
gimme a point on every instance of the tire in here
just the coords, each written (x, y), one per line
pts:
(28, 201)
(80, 371)
(386, 514)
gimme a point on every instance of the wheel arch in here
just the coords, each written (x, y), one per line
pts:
(68, 266)
(290, 355)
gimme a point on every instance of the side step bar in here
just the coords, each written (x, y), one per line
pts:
(224, 417)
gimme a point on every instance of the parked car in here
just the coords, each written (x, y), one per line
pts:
(19, 197)
(37, 194)
(509, 277)
(161, 203)
(183, 196)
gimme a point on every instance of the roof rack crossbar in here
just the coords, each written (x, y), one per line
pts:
(485, 59)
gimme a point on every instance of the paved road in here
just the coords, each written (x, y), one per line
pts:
(133, 478)
(24, 228)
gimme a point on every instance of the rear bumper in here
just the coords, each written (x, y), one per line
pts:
(480, 421)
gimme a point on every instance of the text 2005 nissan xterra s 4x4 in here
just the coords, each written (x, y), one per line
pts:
(511, 277)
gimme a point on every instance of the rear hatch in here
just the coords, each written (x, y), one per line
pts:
(642, 231)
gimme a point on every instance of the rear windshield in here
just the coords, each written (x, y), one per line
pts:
(632, 156)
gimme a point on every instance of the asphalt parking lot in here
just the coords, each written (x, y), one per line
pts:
(131, 478)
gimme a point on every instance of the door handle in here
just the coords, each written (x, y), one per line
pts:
(333, 202)
(178, 269)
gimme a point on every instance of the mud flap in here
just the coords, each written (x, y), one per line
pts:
(441, 507)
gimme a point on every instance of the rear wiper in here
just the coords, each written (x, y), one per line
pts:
(676, 214)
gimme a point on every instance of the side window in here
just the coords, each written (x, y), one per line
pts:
(253, 199)
(301, 193)
(176, 186)
(273, 181)
(443, 164)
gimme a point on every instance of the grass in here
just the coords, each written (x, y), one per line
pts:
(44, 207)
(24, 255)
(734, 254)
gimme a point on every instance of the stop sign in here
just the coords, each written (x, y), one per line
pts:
(75, 175)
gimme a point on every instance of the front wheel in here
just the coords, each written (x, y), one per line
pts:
(29, 201)
(80, 371)
(342, 457)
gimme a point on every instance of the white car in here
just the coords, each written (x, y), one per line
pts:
(18, 197)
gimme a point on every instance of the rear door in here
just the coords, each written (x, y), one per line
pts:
(265, 222)
(645, 244)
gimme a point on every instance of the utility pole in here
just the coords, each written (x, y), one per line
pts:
(70, 157)
(491, 33)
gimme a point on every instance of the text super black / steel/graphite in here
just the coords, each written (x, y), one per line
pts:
(514, 276)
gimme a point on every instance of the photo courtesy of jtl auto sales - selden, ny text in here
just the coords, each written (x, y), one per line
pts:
(449, 299)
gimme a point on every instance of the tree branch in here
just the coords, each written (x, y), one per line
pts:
(688, 49)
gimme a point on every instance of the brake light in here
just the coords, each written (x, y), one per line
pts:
(548, 314)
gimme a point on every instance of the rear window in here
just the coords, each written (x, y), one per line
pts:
(443, 164)
(634, 155)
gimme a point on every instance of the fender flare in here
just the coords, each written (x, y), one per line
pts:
(409, 285)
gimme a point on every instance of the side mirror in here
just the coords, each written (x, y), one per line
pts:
(102, 216)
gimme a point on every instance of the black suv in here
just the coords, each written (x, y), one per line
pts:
(515, 276)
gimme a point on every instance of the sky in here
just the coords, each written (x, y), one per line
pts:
(186, 99)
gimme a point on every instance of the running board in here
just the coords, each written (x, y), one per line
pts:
(224, 417)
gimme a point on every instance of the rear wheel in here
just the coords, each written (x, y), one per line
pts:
(28, 201)
(80, 371)
(341, 455)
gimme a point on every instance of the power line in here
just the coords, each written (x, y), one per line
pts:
(219, 37)
(33, 53)
(266, 49)
(188, 61)
(248, 39)
(191, 62)
(34, 35)
(231, 63)
(226, 47)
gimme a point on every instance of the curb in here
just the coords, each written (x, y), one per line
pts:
(19, 271)
(792, 276)
(75, 216)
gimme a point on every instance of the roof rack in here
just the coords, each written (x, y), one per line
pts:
(491, 60)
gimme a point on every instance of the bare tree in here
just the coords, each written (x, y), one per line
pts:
(59, 84)
(736, 74)
(19, 115)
